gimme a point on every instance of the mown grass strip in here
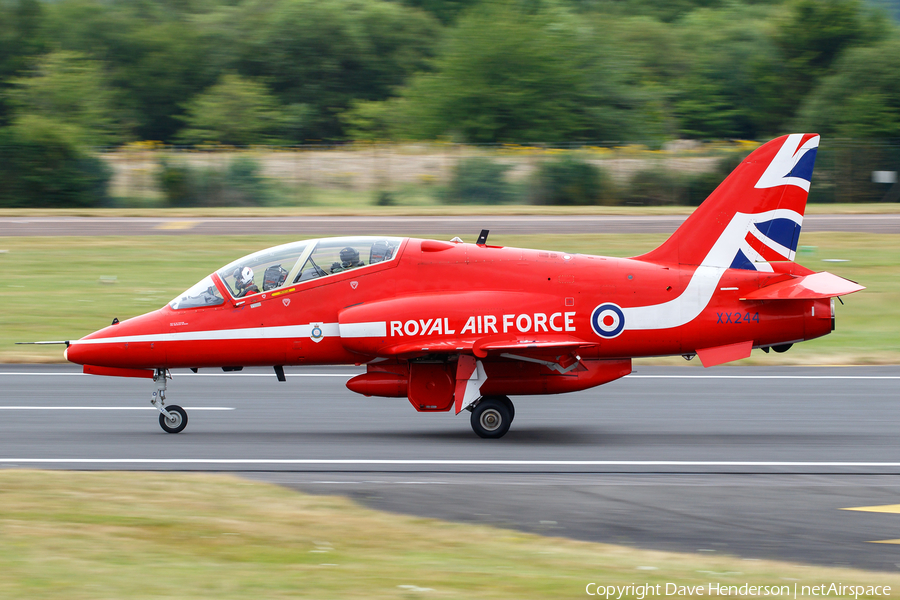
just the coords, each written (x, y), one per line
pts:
(149, 535)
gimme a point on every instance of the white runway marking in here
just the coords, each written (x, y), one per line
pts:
(632, 376)
(197, 374)
(108, 408)
(762, 377)
(442, 462)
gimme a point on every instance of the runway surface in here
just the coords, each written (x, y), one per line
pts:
(755, 462)
(429, 225)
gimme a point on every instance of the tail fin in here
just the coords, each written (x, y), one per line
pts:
(754, 216)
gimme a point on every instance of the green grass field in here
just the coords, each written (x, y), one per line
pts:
(94, 536)
(63, 288)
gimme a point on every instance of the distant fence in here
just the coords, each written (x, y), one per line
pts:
(856, 171)
(846, 170)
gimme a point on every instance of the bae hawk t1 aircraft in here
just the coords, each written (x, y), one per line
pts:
(454, 326)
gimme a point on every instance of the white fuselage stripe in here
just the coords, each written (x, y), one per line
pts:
(249, 333)
(363, 330)
(699, 291)
(108, 408)
(450, 462)
(631, 376)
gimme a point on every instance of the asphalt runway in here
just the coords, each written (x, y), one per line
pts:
(368, 225)
(754, 462)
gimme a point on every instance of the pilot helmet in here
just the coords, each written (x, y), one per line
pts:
(381, 251)
(246, 277)
(349, 256)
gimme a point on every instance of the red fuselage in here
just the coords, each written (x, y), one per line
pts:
(445, 297)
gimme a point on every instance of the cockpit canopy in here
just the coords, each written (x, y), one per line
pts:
(289, 264)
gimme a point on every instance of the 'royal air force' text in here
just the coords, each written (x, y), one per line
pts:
(487, 324)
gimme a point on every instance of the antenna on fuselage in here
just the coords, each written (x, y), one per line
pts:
(482, 237)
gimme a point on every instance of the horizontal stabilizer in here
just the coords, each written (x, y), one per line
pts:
(809, 287)
(718, 355)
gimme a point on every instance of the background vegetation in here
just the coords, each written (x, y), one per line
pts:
(262, 71)
(78, 75)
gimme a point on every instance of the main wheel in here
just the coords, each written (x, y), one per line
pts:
(491, 418)
(177, 423)
(510, 406)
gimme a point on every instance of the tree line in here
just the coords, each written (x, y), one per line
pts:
(238, 72)
(78, 75)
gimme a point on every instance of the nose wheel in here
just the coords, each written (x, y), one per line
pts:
(176, 421)
(172, 418)
(492, 416)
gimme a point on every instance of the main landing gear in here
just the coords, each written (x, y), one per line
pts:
(172, 418)
(492, 416)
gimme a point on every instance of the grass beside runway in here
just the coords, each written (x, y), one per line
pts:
(151, 535)
(66, 287)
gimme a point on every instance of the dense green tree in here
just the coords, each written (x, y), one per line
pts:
(506, 70)
(861, 99)
(153, 51)
(512, 75)
(21, 39)
(376, 120)
(235, 111)
(324, 55)
(478, 180)
(43, 164)
(571, 181)
(813, 33)
(663, 10)
(446, 11)
(808, 36)
(722, 91)
(240, 183)
(70, 88)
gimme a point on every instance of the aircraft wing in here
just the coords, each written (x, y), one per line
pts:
(523, 344)
(495, 345)
(557, 353)
(808, 287)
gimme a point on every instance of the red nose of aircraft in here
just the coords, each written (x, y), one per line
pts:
(131, 343)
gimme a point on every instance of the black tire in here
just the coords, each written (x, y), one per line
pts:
(491, 418)
(179, 422)
(510, 406)
(782, 348)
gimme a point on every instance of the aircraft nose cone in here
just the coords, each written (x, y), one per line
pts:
(127, 344)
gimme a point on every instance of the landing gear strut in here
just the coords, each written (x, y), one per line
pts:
(172, 418)
(492, 416)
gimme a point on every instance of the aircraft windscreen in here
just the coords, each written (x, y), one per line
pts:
(203, 293)
(262, 271)
(288, 264)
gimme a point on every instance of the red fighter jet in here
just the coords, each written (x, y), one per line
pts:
(454, 326)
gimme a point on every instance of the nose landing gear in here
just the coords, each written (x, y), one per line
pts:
(172, 419)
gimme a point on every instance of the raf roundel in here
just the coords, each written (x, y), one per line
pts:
(608, 320)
